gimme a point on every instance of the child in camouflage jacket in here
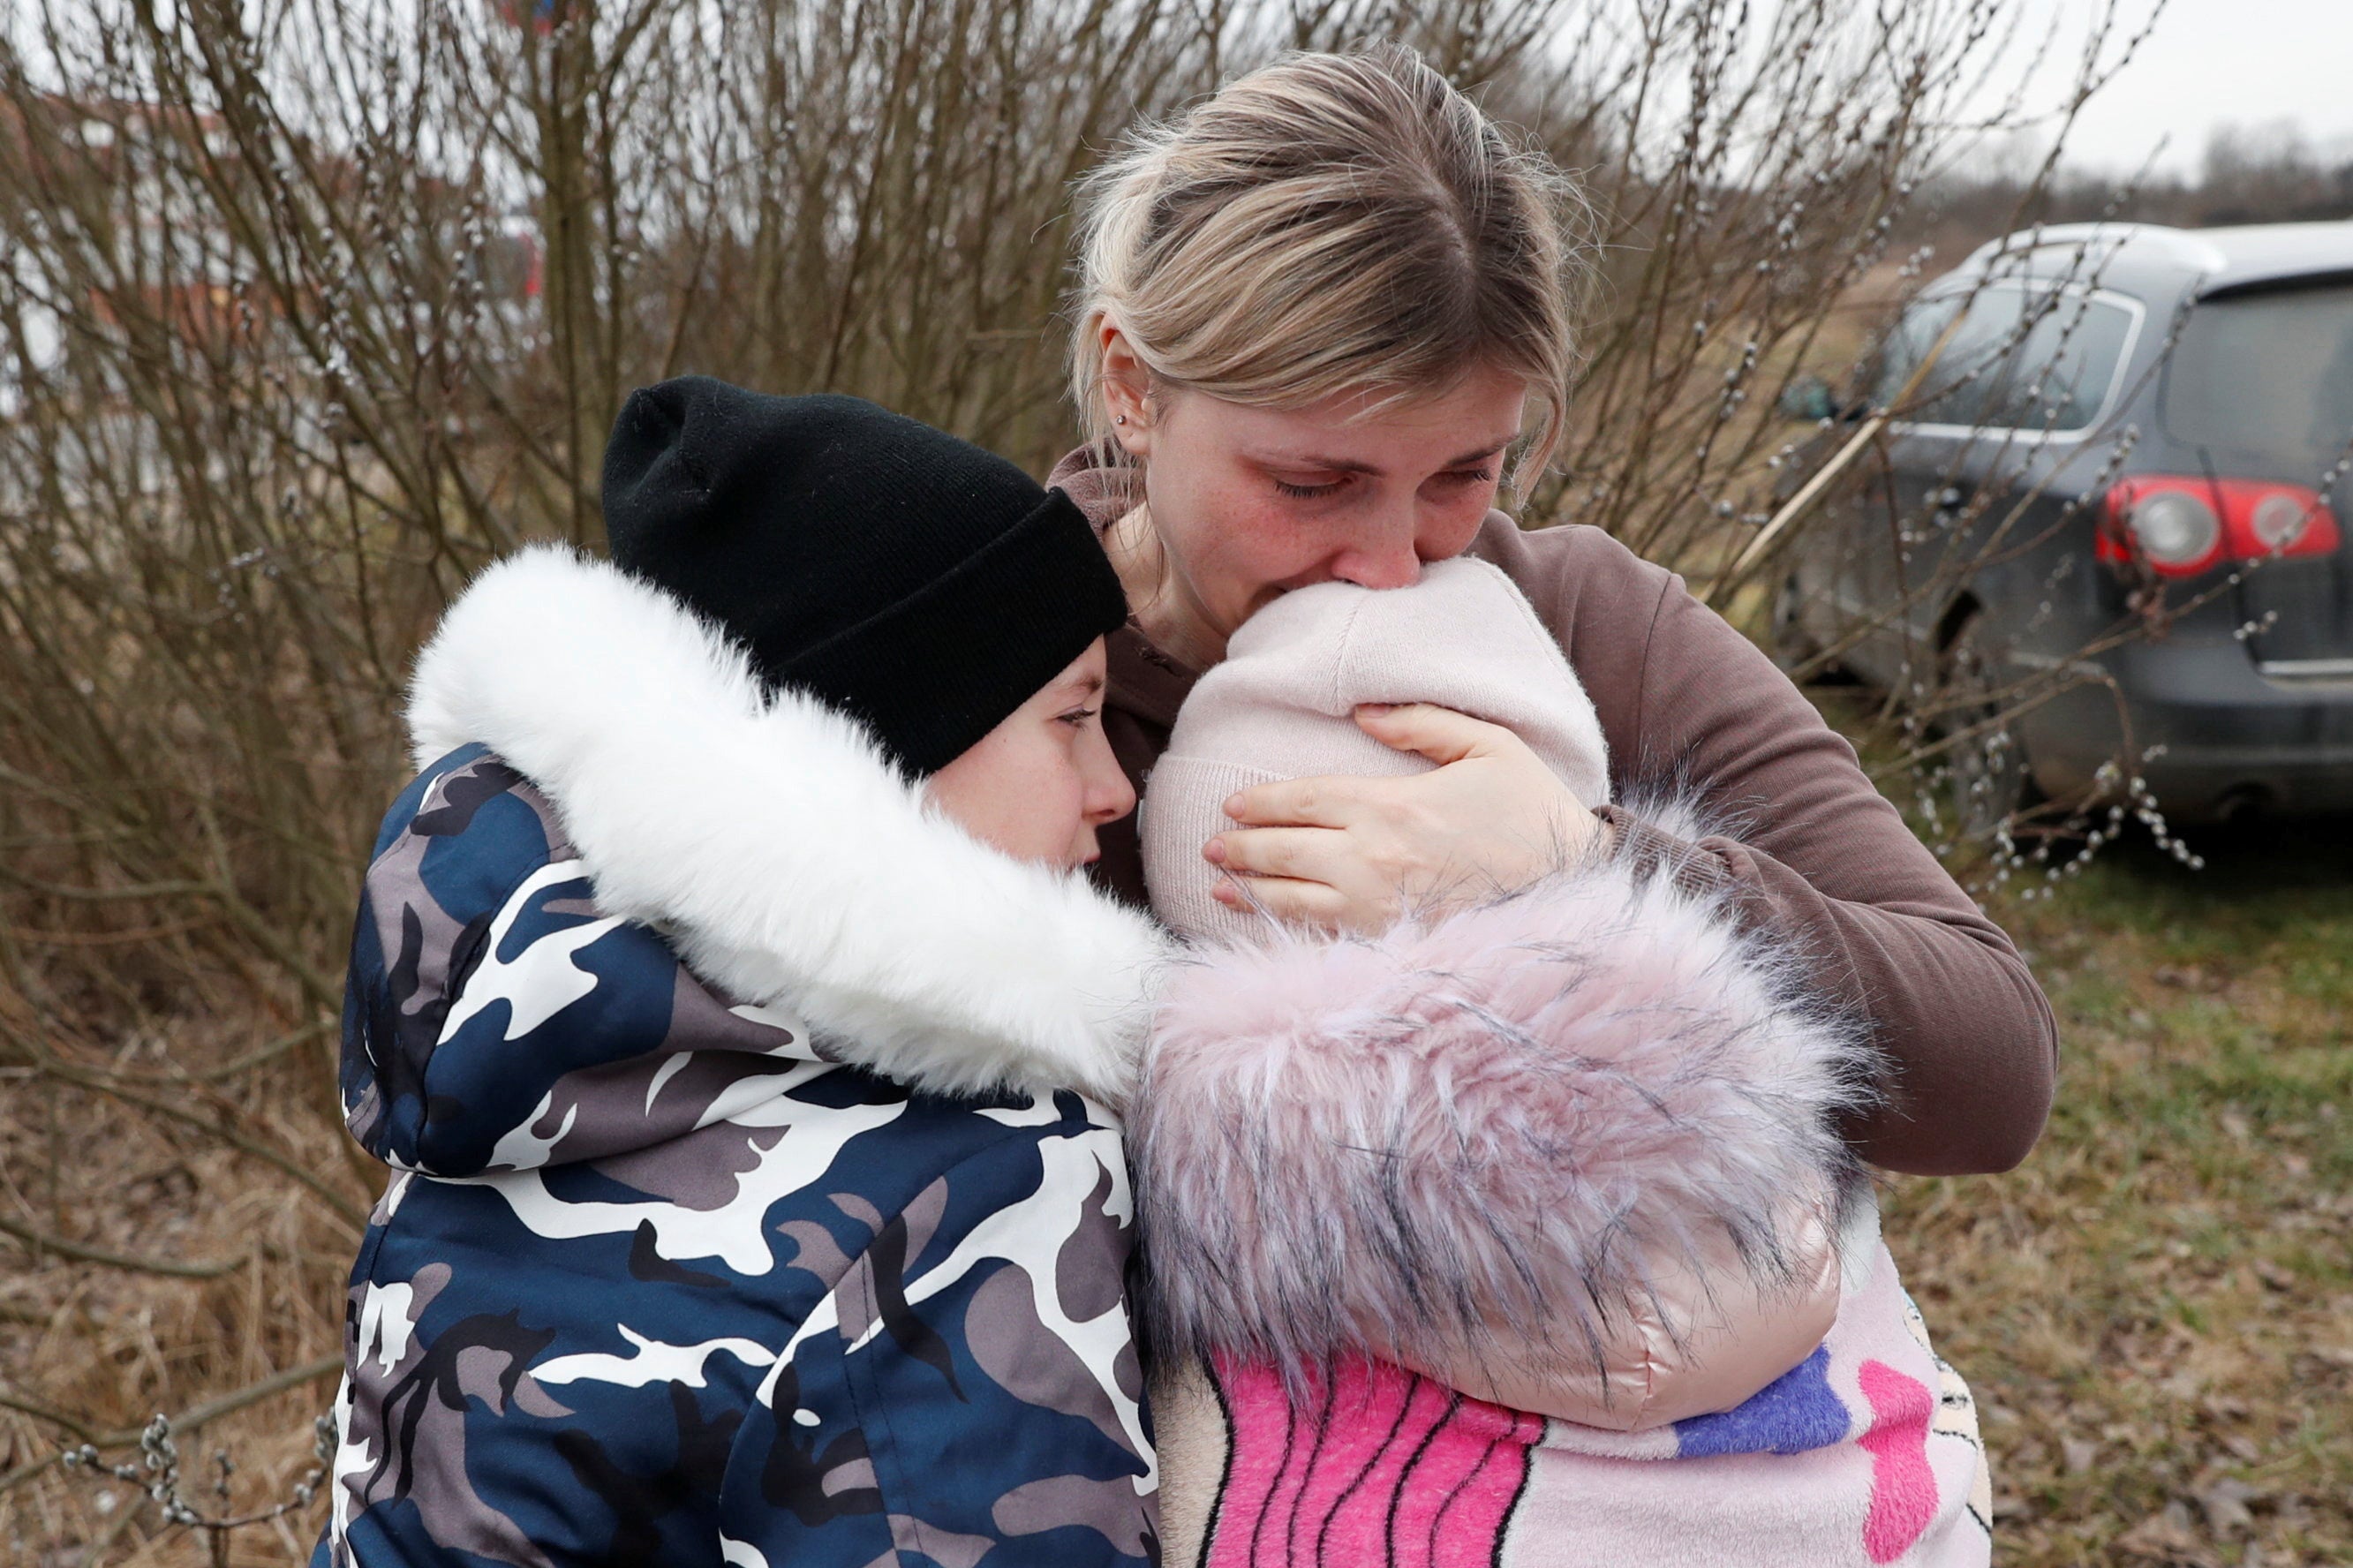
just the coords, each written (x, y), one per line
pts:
(756, 1197)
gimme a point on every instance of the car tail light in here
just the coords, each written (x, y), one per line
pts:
(2183, 526)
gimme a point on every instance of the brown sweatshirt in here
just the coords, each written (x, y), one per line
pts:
(1821, 857)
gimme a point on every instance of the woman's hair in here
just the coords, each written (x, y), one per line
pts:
(1331, 223)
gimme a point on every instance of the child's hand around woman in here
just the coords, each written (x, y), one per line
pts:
(1353, 854)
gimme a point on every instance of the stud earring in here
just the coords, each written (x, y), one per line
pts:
(1119, 419)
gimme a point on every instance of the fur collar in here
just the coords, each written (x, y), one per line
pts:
(789, 863)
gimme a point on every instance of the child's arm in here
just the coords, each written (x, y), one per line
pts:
(1702, 1337)
(968, 1391)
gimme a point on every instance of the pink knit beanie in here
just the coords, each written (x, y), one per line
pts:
(1281, 706)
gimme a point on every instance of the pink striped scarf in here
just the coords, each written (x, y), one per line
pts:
(1864, 1455)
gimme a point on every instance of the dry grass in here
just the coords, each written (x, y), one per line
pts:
(102, 1347)
(2156, 1311)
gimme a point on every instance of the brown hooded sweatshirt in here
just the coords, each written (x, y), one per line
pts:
(1822, 857)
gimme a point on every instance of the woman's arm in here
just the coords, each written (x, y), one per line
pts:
(1818, 854)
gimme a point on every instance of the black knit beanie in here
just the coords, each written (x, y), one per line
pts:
(918, 583)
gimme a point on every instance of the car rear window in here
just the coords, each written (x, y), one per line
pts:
(2268, 374)
(2021, 360)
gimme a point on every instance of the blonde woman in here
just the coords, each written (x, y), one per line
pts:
(1323, 317)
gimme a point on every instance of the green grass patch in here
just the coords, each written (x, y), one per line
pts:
(2156, 1310)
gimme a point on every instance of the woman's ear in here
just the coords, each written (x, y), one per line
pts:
(1126, 389)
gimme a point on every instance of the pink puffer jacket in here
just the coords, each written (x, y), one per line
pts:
(1572, 1151)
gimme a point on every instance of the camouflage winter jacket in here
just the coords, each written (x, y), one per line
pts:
(755, 1196)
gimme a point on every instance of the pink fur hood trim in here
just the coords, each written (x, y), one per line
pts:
(1533, 1123)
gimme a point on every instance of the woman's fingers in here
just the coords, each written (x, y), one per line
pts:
(1308, 853)
(1348, 853)
(1314, 875)
(1300, 803)
(1441, 734)
(1293, 902)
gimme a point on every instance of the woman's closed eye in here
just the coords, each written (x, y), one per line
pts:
(1454, 478)
(1459, 477)
(1077, 718)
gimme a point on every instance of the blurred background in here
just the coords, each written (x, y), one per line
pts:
(1988, 361)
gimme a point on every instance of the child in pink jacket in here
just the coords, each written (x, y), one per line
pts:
(1521, 1234)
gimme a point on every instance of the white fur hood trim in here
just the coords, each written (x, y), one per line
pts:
(784, 859)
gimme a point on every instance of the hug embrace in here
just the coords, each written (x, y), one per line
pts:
(832, 1122)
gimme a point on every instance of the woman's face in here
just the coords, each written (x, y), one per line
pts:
(1251, 502)
(1038, 785)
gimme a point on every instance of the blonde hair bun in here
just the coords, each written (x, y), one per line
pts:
(1331, 224)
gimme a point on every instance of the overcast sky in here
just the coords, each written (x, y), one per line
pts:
(2210, 62)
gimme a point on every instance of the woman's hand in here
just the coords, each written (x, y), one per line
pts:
(1354, 853)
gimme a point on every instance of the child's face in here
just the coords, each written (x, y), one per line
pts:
(1038, 785)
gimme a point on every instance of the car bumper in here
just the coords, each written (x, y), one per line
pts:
(2209, 731)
